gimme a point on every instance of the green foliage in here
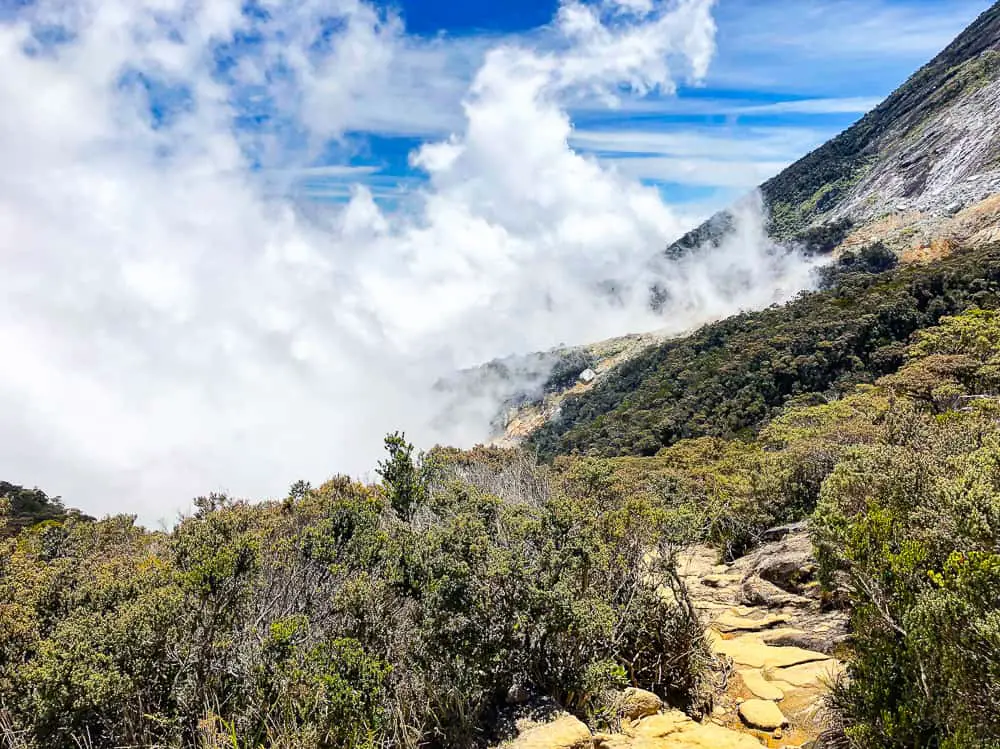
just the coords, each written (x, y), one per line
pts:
(344, 615)
(901, 480)
(874, 258)
(729, 378)
(404, 478)
(912, 520)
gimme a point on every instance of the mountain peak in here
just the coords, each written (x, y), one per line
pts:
(931, 149)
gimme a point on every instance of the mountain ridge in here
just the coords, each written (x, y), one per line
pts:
(867, 170)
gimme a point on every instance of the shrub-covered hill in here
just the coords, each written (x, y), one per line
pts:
(417, 611)
(730, 377)
(900, 482)
(22, 508)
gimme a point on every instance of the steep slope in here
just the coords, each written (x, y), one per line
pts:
(917, 179)
(734, 375)
(931, 149)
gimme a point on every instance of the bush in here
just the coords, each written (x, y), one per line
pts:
(343, 616)
(913, 520)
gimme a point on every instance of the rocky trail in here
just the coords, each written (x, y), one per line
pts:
(776, 645)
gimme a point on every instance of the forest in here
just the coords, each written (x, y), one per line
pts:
(731, 377)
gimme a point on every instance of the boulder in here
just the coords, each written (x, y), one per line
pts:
(563, 733)
(762, 688)
(789, 563)
(638, 703)
(611, 741)
(762, 714)
(674, 730)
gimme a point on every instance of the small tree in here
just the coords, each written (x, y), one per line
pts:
(404, 477)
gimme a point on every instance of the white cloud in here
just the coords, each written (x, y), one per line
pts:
(833, 105)
(722, 144)
(173, 328)
(739, 174)
(740, 159)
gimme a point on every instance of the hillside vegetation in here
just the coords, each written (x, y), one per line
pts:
(404, 614)
(421, 611)
(901, 480)
(730, 377)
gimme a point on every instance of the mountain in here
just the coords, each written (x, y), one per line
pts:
(914, 184)
(903, 172)
(730, 521)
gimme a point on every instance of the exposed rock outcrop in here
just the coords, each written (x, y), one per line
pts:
(765, 616)
(565, 732)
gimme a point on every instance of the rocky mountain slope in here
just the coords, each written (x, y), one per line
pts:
(929, 151)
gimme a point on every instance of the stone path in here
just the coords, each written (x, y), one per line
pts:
(775, 643)
(765, 617)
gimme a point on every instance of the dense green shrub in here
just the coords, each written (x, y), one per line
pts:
(913, 521)
(343, 616)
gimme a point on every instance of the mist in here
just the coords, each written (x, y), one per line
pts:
(178, 319)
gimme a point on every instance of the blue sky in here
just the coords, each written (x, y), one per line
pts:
(785, 78)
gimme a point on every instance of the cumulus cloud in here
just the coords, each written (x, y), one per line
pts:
(173, 324)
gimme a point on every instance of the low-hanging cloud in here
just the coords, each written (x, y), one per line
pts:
(174, 324)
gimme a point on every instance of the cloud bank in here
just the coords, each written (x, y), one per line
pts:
(175, 322)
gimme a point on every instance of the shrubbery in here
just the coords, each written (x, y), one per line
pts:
(346, 615)
(901, 479)
(730, 378)
(913, 520)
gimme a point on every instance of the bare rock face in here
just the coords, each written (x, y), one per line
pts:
(566, 732)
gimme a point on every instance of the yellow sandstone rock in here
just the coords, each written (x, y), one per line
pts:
(753, 653)
(761, 687)
(762, 714)
(674, 730)
(818, 674)
(563, 733)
